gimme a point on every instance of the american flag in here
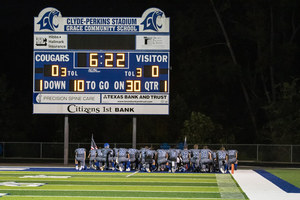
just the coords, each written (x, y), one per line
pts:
(184, 143)
(93, 144)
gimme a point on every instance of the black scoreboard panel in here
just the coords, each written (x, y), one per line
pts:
(103, 42)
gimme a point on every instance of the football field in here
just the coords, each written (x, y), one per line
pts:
(23, 185)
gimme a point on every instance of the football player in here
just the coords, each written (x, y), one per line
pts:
(133, 154)
(174, 159)
(222, 157)
(123, 159)
(92, 158)
(232, 158)
(185, 159)
(206, 159)
(106, 157)
(162, 160)
(195, 158)
(80, 156)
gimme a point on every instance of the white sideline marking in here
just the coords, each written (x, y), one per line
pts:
(12, 168)
(3, 194)
(44, 176)
(107, 197)
(132, 174)
(17, 184)
(257, 187)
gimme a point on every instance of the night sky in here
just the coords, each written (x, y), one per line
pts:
(248, 102)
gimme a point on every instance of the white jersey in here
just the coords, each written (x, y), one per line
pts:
(161, 153)
(205, 153)
(122, 152)
(221, 154)
(80, 152)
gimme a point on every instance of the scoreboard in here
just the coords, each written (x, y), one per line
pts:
(101, 65)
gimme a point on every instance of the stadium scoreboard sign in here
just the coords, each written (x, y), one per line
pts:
(101, 65)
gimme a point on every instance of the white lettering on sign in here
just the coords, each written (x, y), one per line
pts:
(57, 85)
(151, 58)
(52, 57)
(68, 98)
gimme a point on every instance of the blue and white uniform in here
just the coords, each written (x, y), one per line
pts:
(162, 156)
(123, 159)
(174, 158)
(185, 156)
(214, 160)
(185, 160)
(133, 155)
(80, 155)
(205, 159)
(222, 160)
(195, 158)
(232, 158)
(149, 160)
(142, 156)
(106, 158)
(92, 158)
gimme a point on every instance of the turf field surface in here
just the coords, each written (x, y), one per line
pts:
(290, 175)
(95, 185)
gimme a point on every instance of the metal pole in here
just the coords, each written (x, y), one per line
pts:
(134, 132)
(257, 152)
(66, 140)
(41, 150)
(291, 153)
(3, 150)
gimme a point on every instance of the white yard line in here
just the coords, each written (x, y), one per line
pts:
(108, 197)
(132, 174)
(257, 187)
(13, 168)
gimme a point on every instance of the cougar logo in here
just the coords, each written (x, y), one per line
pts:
(151, 21)
(47, 20)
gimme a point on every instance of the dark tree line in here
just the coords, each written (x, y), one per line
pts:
(234, 78)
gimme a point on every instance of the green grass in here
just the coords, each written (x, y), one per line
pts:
(290, 175)
(94, 185)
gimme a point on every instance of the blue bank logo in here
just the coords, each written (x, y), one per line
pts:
(47, 20)
(153, 20)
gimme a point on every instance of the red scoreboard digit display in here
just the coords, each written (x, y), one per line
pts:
(101, 65)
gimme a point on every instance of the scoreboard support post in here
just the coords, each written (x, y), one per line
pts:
(66, 140)
(134, 132)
